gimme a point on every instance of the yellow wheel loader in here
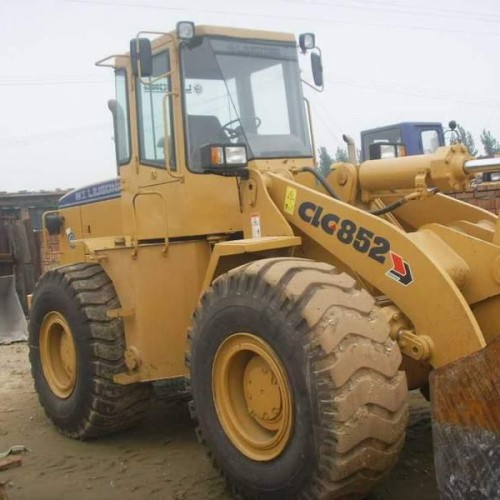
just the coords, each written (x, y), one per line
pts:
(296, 310)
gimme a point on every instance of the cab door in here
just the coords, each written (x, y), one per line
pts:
(156, 146)
(155, 120)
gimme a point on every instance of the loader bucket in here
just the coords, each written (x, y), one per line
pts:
(465, 399)
(13, 326)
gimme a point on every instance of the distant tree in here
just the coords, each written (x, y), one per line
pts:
(341, 155)
(325, 161)
(490, 144)
(467, 140)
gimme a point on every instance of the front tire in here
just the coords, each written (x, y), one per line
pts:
(338, 420)
(75, 350)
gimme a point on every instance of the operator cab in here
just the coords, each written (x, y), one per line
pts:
(240, 97)
(401, 139)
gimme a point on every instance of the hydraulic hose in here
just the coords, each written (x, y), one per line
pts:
(321, 180)
(389, 208)
(398, 203)
(378, 211)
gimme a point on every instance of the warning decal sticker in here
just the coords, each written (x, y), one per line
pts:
(290, 197)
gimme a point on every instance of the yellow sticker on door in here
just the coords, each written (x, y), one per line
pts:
(291, 195)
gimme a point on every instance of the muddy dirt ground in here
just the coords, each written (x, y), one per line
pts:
(158, 460)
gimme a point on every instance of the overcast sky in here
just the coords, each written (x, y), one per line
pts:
(385, 61)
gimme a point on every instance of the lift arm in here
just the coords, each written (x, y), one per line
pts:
(404, 266)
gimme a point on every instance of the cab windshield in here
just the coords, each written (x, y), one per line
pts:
(244, 92)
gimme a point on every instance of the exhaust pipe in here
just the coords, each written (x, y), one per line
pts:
(351, 148)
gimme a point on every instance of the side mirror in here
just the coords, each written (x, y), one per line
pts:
(317, 69)
(141, 57)
(453, 132)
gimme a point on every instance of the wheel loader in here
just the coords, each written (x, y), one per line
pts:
(296, 310)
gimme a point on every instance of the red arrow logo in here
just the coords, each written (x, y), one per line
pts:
(401, 270)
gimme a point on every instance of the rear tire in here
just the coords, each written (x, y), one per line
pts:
(75, 350)
(349, 406)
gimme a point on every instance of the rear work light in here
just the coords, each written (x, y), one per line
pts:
(185, 31)
(307, 41)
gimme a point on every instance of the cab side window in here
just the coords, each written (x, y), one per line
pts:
(154, 111)
(430, 141)
(119, 108)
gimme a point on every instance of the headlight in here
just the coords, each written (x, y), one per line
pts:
(224, 159)
(235, 155)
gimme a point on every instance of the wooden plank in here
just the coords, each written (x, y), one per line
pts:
(3, 492)
(10, 462)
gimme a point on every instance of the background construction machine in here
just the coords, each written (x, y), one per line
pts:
(401, 139)
(298, 309)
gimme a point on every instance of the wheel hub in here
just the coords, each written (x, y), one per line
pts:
(57, 354)
(252, 396)
(262, 393)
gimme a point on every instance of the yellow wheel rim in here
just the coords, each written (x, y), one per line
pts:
(252, 396)
(57, 354)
